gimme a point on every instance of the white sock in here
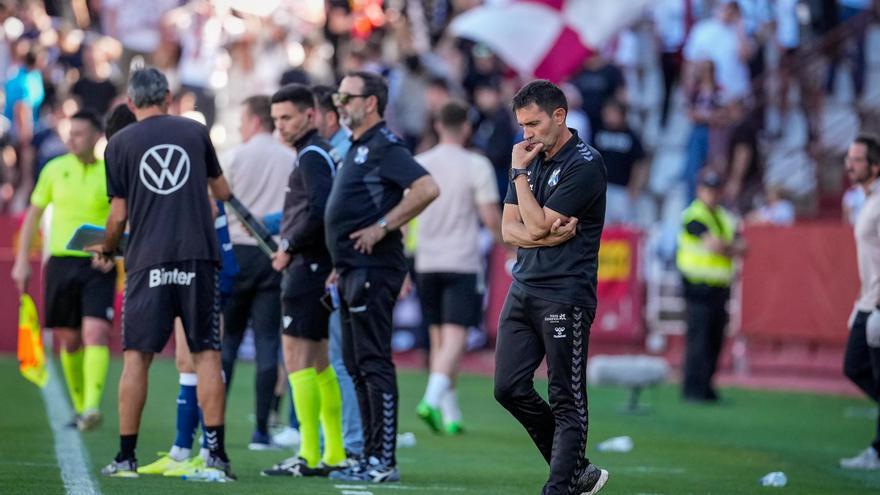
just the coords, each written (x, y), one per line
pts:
(449, 406)
(178, 453)
(438, 384)
(189, 379)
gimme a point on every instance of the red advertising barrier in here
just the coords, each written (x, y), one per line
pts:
(621, 290)
(799, 283)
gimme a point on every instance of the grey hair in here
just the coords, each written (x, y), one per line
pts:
(147, 87)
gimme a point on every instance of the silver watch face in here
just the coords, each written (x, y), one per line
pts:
(285, 244)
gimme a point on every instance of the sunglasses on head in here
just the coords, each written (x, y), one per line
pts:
(343, 98)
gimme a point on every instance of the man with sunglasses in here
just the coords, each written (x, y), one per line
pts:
(365, 209)
(303, 257)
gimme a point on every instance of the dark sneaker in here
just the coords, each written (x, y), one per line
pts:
(368, 470)
(121, 469)
(296, 467)
(591, 481)
(262, 441)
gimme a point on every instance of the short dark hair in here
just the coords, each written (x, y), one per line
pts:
(298, 94)
(91, 117)
(324, 99)
(117, 119)
(259, 106)
(374, 85)
(453, 115)
(543, 93)
(872, 144)
(147, 87)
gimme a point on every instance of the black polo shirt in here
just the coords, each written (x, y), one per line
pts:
(572, 183)
(308, 188)
(374, 174)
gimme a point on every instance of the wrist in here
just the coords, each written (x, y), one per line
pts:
(383, 225)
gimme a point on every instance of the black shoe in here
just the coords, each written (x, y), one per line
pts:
(591, 481)
(296, 467)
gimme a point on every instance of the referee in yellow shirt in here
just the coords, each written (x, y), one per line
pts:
(78, 298)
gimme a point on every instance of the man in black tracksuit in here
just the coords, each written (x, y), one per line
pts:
(554, 212)
(365, 209)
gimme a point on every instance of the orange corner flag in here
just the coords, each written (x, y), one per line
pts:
(31, 357)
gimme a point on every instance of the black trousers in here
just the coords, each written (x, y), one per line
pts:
(529, 329)
(861, 364)
(367, 301)
(706, 319)
(256, 297)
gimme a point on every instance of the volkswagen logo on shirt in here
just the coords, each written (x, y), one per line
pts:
(164, 168)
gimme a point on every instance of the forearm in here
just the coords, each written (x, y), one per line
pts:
(516, 234)
(532, 214)
(114, 230)
(28, 229)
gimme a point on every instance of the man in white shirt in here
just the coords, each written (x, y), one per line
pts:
(448, 264)
(257, 172)
(861, 362)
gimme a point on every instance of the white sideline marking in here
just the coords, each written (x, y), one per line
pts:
(353, 492)
(73, 459)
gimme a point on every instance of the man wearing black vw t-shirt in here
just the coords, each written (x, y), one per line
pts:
(158, 172)
(554, 213)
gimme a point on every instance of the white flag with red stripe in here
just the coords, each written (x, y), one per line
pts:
(548, 39)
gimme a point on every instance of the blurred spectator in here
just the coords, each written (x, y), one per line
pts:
(494, 131)
(849, 11)
(627, 166)
(704, 110)
(137, 25)
(744, 165)
(201, 31)
(94, 90)
(407, 115)
(47, 143)
(598, 81)
(722, 39)
(576, 118)
(777, 210)
(672, 21)
(24, 92)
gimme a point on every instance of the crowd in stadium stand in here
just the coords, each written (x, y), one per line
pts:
(702, 59)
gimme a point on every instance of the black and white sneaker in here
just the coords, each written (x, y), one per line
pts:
(591, 481)
(371, 470)
(296, 467)
(121, 469)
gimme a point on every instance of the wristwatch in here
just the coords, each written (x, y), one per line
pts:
(516, 172)
(383, 223)
(285, 245)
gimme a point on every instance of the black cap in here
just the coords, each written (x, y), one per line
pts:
(711, 179)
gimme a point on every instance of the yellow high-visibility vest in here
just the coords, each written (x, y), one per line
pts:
(698, 264)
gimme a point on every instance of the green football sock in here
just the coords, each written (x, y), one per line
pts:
(331, 417)
(72, 366)
(96, 360)
(307, 402)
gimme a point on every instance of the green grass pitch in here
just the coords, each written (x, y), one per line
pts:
(679, 448)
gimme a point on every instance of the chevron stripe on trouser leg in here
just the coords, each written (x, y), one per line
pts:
(529, 328)
(368, 298)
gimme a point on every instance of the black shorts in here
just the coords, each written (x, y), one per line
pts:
(304, 311)
(74, 290)
(454, 298)
(155, 296)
